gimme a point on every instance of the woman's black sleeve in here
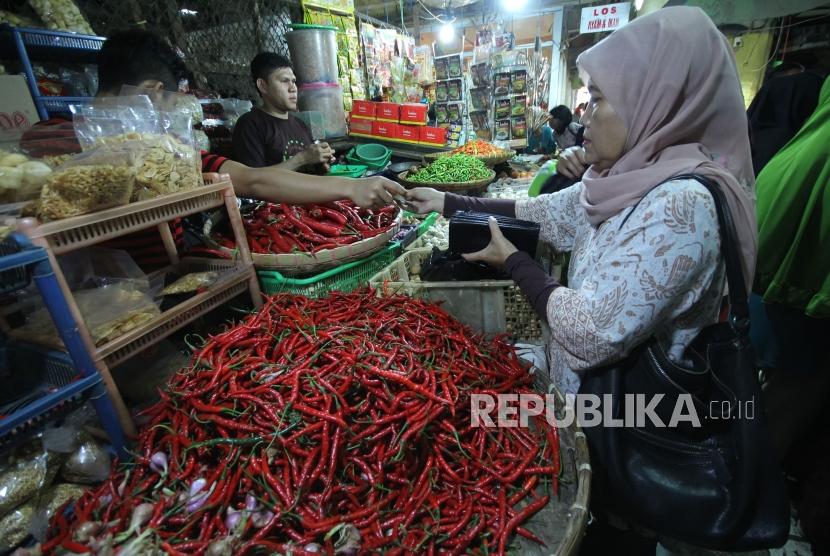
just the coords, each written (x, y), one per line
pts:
(502, 207)
(533, 280)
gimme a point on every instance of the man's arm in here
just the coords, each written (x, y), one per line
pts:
(278, 185)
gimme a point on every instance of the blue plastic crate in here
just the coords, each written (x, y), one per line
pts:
(15, 278)
(60, 39)
(60, 105)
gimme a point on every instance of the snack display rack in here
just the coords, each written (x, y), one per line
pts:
(67, 381)
(67, 235)
(43, 44)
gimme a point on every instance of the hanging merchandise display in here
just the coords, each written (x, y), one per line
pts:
(395, 69)
(450, 97)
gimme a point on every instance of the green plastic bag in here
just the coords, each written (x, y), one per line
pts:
(546, 171)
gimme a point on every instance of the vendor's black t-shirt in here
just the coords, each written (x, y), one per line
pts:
(260, 139)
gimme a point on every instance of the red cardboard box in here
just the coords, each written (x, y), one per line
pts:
(364, 109)
(433, 136)
(409, 133)
(360, 126)
(388, 130)
(388, 112)
(415, 114)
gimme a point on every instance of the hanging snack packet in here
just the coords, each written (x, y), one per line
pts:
(502, 108)
(518, 106)
(518, 81)
(454, 90)
(519, 128)
(441, 70)
(502, 83)
(454, 112)
(441, 113)
(441, 92)
(503, 130)
(454, 66)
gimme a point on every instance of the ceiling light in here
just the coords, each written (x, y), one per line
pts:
(447, 33)
(513, 5)
(185, 11)
(638, 5)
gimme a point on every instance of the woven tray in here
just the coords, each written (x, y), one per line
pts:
(293, 264)
(489, 160)
(452, 186)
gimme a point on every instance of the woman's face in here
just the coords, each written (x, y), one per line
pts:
(605, 132)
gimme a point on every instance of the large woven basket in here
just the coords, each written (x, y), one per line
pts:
(293, 264)
(452, 186)
(489, 160)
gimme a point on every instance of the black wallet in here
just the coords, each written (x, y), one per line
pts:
(470, 232)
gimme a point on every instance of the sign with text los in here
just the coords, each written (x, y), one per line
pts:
(598, 19)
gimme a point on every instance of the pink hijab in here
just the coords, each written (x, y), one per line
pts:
(671, 77)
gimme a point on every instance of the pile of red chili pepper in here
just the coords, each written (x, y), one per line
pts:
(339, 425)
(278, 229)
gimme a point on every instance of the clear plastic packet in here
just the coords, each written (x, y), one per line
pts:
(109, 312)
(14, 526)
(47, 504)
(191, 282)
(24, 472)
(96, 267)
(94, 180)
(88, 463)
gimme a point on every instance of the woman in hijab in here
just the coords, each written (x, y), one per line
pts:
(778, 111)
(791, 308)
(665, 101)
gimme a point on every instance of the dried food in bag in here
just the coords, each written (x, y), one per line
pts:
(88, 182)
(502, 130)
(502, 108)
(88, 463)
(14, 526)
(24, 472)
(454, 66)
(518, 128)
(518, 81)
(191, 282)
(454, 90)
(441, 92)
(518, 106)
(502, 86)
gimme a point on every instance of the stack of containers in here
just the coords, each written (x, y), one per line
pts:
(404, 123)
(313, 51)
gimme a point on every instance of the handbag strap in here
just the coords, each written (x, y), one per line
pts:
(738, 297)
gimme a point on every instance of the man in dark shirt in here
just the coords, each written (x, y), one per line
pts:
(269, 135)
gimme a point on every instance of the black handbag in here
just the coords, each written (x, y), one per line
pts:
(717, 485)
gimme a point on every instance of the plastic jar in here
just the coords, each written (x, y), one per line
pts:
(313, 51)
(326, 98)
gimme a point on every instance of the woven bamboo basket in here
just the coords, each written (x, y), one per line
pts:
(489, 160)
(452, 187)
(294, 264)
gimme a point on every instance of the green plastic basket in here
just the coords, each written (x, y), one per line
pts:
(372, 152)
(348, 170)
(307, 26)
(345, 278)
(352, 158)
(427, 223)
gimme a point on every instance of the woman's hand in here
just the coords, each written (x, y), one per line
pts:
(426, 200)
(571, 163)
(496, 253)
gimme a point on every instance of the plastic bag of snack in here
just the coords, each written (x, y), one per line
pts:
(518, 128)
(88, 463)
(24, 472)
(98, 179)
(48, 503)
(191, 282)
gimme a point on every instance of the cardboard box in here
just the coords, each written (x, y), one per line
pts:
(414, 114)
(409, 133)
(387, 130)
(18, 112)
(433, 136)
(388, 112)
(364, 109)
(360, 126)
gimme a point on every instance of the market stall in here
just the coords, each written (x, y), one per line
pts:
(333, 351)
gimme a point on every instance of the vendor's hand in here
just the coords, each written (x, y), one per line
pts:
(318, 153)
(374, 192)
(496, 253)
(571, 163)
(426, 200)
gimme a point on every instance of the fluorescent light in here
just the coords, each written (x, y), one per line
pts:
(185, 11)
(447, 33)
(638, 5)
(513, 5)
